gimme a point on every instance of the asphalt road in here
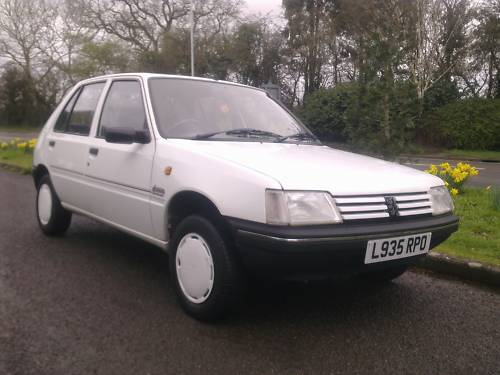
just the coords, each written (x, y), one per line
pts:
(100, 302)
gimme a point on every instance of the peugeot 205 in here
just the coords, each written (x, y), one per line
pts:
(230, 184)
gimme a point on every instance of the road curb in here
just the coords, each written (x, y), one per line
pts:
(468, 270)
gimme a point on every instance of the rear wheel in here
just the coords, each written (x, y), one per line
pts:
(204, 271)
(52, 218)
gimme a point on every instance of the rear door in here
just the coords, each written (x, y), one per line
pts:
(120, 174)
(68, 145)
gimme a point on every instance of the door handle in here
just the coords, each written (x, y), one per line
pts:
(52, 143)
(93, 151)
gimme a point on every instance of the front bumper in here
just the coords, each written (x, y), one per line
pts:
(312, 251)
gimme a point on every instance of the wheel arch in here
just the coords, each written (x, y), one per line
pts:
(38, 172)
(188, 202)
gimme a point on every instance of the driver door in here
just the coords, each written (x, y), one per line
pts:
(120, 174)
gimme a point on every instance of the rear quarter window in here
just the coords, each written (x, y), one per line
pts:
(77, 115)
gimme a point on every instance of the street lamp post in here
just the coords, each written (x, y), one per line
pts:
(192, 37)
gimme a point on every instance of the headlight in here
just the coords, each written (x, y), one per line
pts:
(300, 208)
(441, 200)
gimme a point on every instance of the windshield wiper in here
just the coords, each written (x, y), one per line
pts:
(243, 132)
(299, 136)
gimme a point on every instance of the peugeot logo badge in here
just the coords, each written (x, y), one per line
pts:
(392, 207)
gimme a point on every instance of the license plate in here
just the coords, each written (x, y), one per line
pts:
(386, 249)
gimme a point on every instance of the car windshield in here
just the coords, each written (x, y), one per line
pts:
(195, 109)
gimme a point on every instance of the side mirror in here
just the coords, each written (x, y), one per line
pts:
(126, 135)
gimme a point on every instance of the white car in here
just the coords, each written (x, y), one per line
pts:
(230, 184)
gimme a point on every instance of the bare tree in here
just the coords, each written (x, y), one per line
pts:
(144, 23)
(438, 24)
(25, 29)
(68, 34)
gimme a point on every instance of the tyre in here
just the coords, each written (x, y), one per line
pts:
(52, 218)
(204, 270)
(385, 275)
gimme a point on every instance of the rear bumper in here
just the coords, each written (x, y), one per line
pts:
(327, 250)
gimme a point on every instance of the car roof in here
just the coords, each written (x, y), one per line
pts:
(146, 76)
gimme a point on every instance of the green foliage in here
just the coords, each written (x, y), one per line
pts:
(172, 58)
(325, 112)
(441, 93)
(381, 118)
(367, 117)
(100, 58)
(17, 159)
(495, 198)
(254, 53)
(465, 124)
(471, 154)
(21, 101)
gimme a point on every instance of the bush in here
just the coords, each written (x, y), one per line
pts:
(324, 112)
(362, 116)
(470, 124)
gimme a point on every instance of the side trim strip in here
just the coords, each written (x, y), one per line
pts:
(161, 244)
(99, 179)
(117, 184)
(66, 170)
(345, 238)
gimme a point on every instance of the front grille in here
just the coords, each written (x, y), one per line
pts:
(362, 207)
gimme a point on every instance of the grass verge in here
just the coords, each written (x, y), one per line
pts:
(417, 150)
(17, 160)
(478, 237)
(471, 154)
(19, 129)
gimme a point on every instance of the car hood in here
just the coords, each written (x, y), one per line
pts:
(315, 167)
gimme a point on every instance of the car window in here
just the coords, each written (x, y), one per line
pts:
(123, 107)
(63, 118)
(81, 116)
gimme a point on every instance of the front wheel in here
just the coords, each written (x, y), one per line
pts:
(204, 271)
(52, 218)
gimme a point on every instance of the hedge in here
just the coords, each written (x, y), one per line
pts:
(469, 124)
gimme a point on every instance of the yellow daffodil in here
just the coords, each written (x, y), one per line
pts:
(454, 177)
(432, 169)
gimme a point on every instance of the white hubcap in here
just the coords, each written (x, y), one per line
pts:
(195, 268)
(44, 204)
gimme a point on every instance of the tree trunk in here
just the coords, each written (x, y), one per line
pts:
(489, 93)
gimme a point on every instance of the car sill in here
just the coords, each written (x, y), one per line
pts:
(161, 244)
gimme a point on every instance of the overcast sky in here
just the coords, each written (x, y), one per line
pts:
(264, 6)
